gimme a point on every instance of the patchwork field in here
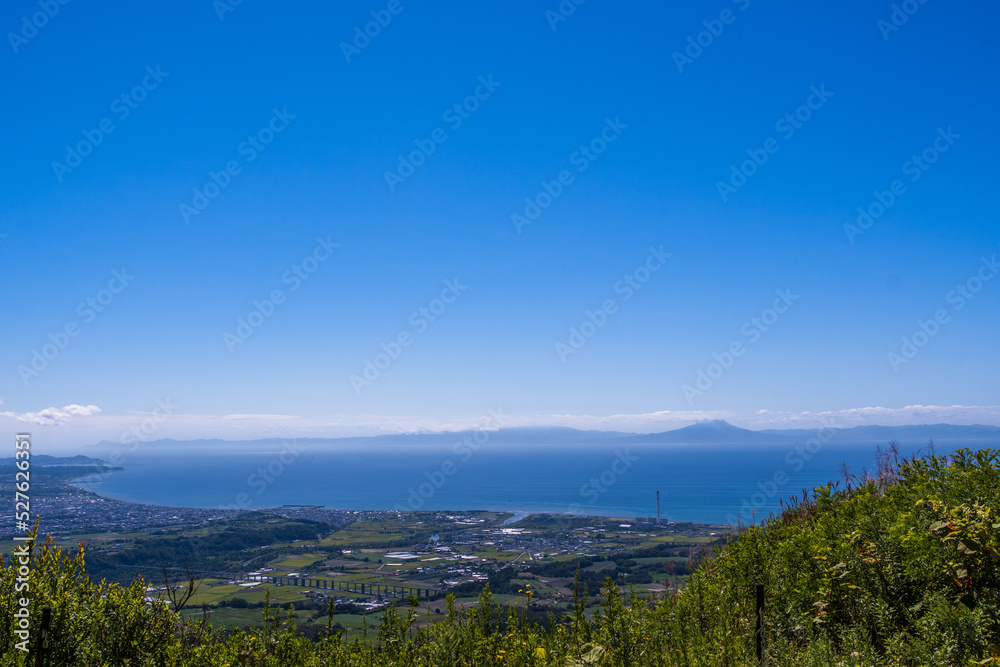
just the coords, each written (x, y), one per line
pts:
(432, 554)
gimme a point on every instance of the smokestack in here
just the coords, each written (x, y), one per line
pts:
(657, 508)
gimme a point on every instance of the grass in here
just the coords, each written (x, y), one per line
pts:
(285, 564)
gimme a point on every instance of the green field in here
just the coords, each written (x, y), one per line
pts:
(449, 548)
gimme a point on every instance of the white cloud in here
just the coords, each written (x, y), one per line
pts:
(907, 415)
(81, 410)
(650, 422)
(53, 416)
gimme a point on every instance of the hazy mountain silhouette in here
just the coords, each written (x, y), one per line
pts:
(709, 432)
(45, 460)
(715, 431)
(942, 433)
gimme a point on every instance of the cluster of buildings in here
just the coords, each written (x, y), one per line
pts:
(70, 511)
(77, 512)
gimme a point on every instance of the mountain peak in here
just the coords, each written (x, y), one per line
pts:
(710, 431)
(716, 423)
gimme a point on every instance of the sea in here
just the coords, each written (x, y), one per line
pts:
(716, 484)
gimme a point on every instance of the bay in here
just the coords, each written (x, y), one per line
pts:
(697, 483)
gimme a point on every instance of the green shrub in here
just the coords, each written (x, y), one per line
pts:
(903, 570)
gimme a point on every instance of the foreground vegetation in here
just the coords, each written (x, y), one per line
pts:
(466, 550)
(902, 568)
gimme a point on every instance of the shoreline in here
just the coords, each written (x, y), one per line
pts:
(302, 510)
(522, 512)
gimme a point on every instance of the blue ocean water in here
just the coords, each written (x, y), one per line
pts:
(700, 483)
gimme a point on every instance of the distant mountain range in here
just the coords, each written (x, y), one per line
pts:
(709, 432)
(722, 432)
(940, 433)
(44, 460)
(712, 432)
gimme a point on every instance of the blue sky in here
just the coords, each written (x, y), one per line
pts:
(641, 123)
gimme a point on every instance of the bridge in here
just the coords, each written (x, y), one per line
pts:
(377, 590)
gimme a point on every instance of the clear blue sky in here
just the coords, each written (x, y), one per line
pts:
(550, 91)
